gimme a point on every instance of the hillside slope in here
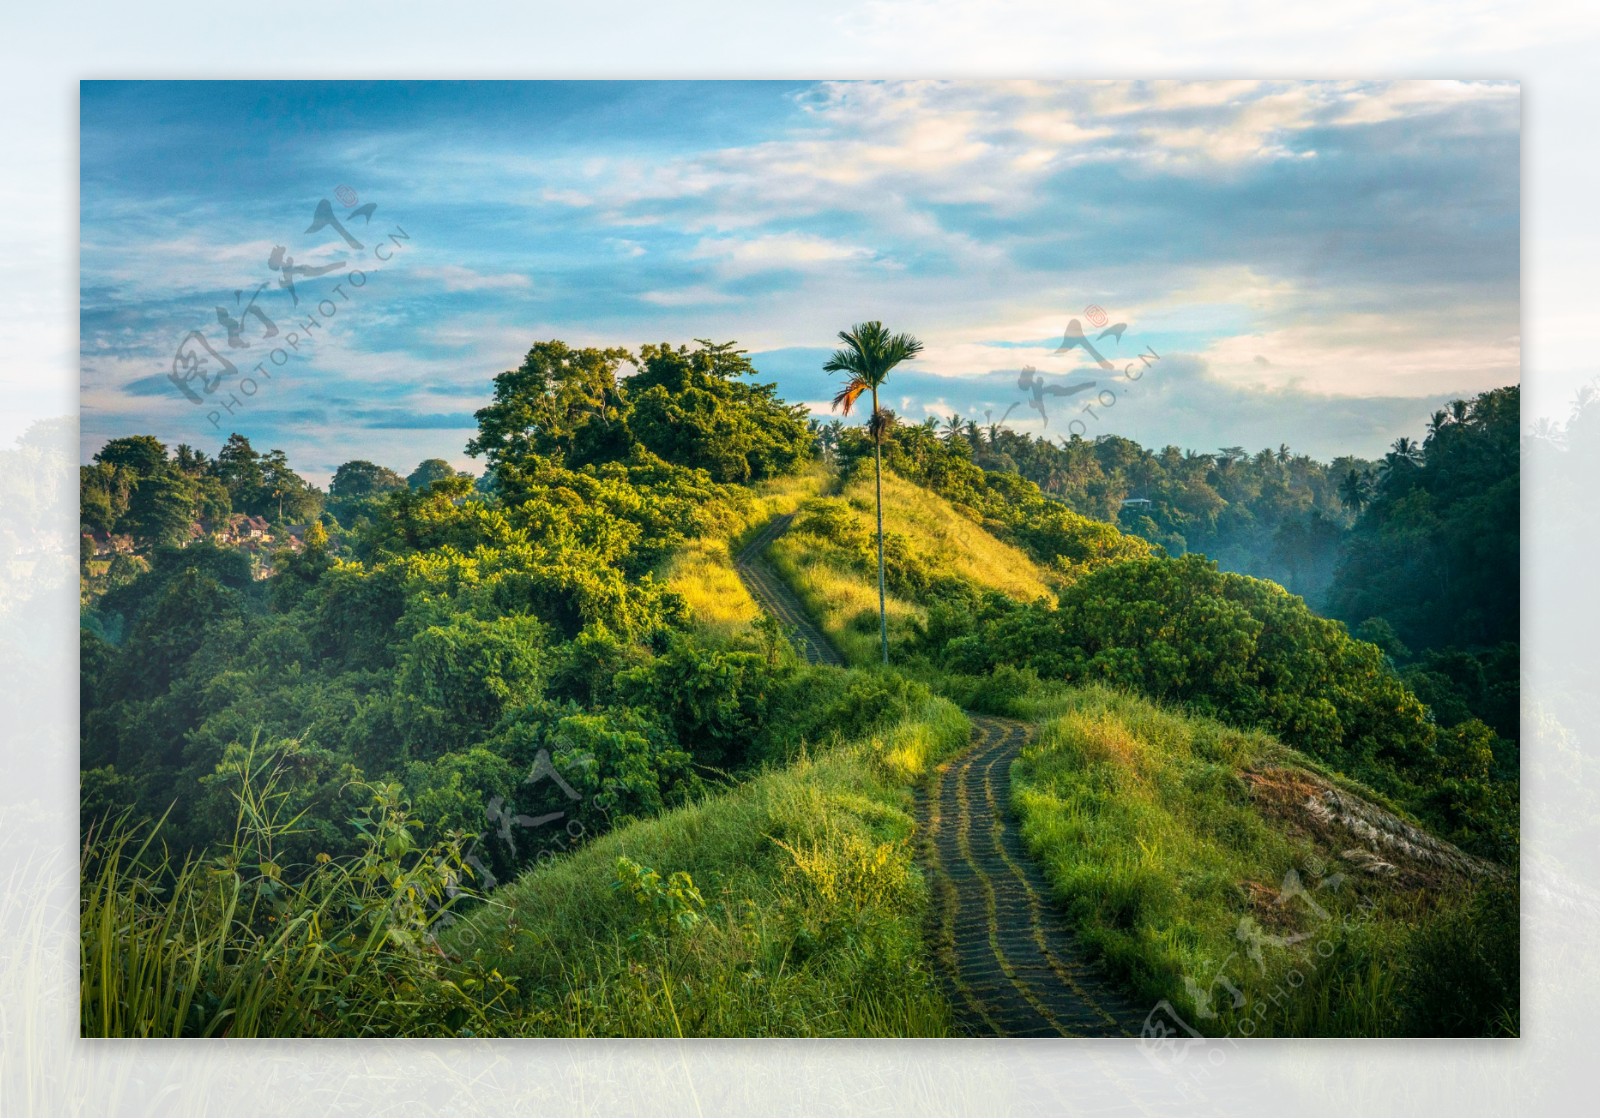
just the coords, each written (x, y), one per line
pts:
(828, 557)
(1255, 893)
(786, 906)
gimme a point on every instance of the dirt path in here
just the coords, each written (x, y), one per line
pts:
(1005, 953)
(774, 596)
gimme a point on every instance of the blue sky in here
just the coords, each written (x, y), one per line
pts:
(1320, 264)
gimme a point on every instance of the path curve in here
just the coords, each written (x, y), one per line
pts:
(1005, 953)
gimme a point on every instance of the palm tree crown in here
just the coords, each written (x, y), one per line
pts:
(870, 353)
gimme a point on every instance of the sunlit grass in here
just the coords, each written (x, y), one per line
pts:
(812, 923)
(843, 599)
(1142, 822)
(947, 538)
(702, 570)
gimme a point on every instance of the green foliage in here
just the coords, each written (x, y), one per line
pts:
(809, 906)
(134, 489)
(243, 943)
(457, 680)
(1157, 832)
(142, 455)
(560, 404)
(356, 488)
(691, 407)
(1437, 548)
(1275, 514)
(428, 472)
(1246, 651)
(665, 905)
(1462, 971)
(470, 659)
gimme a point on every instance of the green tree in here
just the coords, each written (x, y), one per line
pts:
(428, 472)
(290, 495)
(162, 509)
(143, 454)
(558, 398)
(359, 478)
(870, 353)
(238, 465)
(693, 408)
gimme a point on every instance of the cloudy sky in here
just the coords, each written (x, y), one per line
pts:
(1320, 264)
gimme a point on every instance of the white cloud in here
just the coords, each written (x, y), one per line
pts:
(742, 255)
(694, 295)
(453, 277)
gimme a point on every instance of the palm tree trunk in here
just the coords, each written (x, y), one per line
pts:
(877, 473)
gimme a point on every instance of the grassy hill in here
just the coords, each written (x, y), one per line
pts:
(702, 572)
(789, 905)
(1253, 890)
(828, 557)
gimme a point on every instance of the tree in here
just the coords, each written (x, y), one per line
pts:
(191, 460)
(869, 354)
(359, 478)
(1354, 491)
(558, 398)
(694, 408)
(288, 493)
(162, 509)
(428, 472)
(143, 454)
(239, 467)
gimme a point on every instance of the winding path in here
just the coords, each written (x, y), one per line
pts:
(1006, 955)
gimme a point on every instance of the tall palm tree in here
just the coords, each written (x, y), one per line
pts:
(870, 352)
(954, 425)
(1354, 492)
(1405, 451)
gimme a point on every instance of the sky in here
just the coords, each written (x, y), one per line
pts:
(1321, 264)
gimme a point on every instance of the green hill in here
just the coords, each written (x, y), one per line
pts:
(829, 558)
(1256, 892)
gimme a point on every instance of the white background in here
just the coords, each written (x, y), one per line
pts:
(44, 51)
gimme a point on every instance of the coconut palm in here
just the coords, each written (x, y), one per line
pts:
(870, 352)
(1406, 452)
(1354, 491)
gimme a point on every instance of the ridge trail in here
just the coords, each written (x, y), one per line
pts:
(1007, 956)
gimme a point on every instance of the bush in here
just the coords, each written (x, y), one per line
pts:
(1462, 974)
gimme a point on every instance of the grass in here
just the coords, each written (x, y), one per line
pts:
(838, 584)
(1184, 854)
(809, 918)
(232, 944)
(946, 538)
(702, 570)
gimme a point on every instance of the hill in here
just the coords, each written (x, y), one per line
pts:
(931, 550)
(1253, 890)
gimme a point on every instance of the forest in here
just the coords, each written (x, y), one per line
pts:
(519, 752)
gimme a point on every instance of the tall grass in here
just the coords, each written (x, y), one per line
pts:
(812, 917)
(1142, 820)
(947, 538)
(702, 570)
(233, 944)
(842, 597)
